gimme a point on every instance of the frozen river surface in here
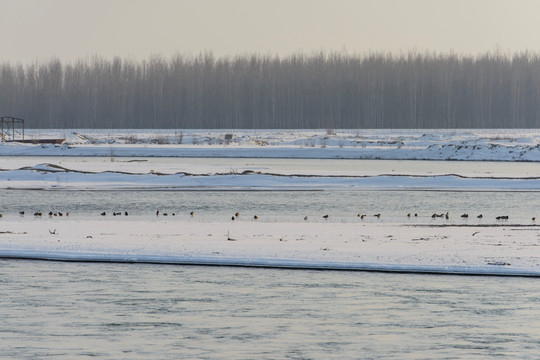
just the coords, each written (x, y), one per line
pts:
(333, 167)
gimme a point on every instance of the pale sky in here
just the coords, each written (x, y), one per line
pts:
(38, 30)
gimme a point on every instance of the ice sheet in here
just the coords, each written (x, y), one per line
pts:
(330, 245)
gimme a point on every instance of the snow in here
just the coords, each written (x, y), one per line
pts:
(109, 160)
(45, 177)
(314, 245)
(479, 145)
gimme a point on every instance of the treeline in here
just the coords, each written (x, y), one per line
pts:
(298, 91)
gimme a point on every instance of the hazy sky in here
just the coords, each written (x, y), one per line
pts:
(33, 30)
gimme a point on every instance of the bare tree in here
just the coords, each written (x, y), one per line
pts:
(299, 91)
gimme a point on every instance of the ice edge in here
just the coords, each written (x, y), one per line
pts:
(491, 270)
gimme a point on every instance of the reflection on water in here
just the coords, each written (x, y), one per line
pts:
(118, 311)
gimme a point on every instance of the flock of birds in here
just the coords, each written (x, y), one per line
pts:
(256, 217)
(434, 216)
(39, 214)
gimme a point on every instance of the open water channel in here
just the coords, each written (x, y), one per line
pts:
(53, 310)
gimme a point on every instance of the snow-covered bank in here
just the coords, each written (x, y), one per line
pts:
(480, 145)
(49, 177)
(329, 245)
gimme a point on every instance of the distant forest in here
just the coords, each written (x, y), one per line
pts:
(299, 91)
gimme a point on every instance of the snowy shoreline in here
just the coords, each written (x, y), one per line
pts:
(331, 245)
(466, 145)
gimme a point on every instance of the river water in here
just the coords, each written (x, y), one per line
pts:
(120, 311)
(276, 206)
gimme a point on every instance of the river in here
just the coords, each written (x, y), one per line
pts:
(117, 311)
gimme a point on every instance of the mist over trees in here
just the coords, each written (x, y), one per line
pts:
(299, 91)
